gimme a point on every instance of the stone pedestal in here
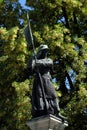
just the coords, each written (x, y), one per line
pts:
(47, 122)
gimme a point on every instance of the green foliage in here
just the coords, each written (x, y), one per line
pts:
(14, 95)
(61, 24)
(11, 14)
(0, 1)
(77, 110)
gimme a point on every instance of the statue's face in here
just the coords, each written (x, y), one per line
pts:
(42, 54)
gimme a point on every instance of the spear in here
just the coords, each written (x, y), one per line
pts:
(29, 36)
(30, 41)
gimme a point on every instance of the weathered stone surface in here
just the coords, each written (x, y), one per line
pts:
(47, 122)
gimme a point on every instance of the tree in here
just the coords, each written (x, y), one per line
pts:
(11, 14)
(15, 88)
(61, 24)
(14, 93)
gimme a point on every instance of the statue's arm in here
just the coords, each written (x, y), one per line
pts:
(47, 62)
(31, 64)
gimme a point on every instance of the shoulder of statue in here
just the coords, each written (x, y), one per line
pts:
(49, 59)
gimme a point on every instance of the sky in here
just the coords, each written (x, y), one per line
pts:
(22, 2)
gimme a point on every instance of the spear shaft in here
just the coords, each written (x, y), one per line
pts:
(39, 75)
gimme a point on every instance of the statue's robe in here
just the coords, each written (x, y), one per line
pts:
(44, 99)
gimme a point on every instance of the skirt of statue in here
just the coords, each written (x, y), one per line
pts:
(44, 100)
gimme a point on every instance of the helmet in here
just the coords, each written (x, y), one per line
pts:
(43, 47)
(42, 51)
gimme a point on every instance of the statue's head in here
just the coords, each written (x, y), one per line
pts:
(43, 47)
(42, 51)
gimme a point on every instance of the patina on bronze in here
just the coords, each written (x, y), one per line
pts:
(44, 99)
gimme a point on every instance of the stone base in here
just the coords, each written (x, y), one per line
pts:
(47, 122)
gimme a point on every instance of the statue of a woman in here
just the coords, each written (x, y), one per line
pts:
(44, 99)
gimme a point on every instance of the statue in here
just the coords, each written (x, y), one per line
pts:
(44, 99)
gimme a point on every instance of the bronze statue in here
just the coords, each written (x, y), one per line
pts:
(44, 99)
